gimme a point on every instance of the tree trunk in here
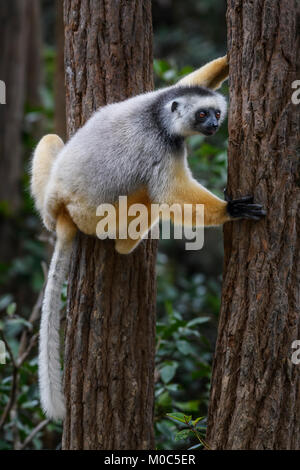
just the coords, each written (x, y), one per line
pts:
(33, 60)
(255, 394)
(12, 72)
(110, 335)
(20, 51)
(59, 79)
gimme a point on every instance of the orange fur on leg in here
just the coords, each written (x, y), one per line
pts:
(186, 190)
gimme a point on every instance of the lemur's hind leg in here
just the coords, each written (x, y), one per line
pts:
(52, 207)
(139, 206)
(43, 158)
(211, 75)
(126, 246)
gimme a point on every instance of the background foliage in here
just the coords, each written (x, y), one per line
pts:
(188, 282)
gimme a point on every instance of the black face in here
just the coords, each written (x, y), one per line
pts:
(207, 120)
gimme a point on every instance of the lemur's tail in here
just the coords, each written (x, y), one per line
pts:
(45, 153)
(49, 358)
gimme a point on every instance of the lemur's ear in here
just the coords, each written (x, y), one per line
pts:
(174, 106)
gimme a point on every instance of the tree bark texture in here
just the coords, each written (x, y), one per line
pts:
(60, 124)
(19, 34)
(20, 53)
(110, 335)
(255, 391)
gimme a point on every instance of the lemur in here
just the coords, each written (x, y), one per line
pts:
(135, 148)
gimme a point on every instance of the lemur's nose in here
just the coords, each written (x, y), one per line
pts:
(212, 126)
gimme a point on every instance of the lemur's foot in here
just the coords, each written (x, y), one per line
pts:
(243, 208)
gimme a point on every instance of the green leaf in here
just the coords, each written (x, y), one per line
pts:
(184, 347)
(195, 421)
(19, 321)
(165, 400)
(196, 446)
(188, 406)
(172, 387)
(166, 428)
(168, 371)
(160, 67)
(11, 308)
(180, 417)
(5, 301)
(185, 70)
(30, 404)
(198, 321)
(184, 434)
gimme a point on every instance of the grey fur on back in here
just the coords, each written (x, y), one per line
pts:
(129, 144)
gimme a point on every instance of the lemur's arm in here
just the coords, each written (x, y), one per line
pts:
(211, 75)
(187, 190)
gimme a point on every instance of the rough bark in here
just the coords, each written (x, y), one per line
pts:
(59, 85)
(20, 53)
(12, 72)
(255, 394)
(110, 337)
(34, 75)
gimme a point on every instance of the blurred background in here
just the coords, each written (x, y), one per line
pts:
(186, 35)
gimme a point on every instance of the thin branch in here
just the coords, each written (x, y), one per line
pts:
(32, 343)
(33, 433)
(12, 398)
(24, 351)
(33, 317)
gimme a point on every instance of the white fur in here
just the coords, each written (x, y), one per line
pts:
(119, 150)
(49, 361)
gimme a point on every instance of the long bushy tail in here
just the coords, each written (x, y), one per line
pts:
(45, 153)
(49, 354)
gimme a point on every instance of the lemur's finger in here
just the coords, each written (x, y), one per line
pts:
(259, 213)
(243, 199)
(250, 211)
(250, 206)
(254, 213)
(250, 217)
(237, 201)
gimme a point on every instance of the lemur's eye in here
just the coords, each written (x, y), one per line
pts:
(201, 114)
(218, 114)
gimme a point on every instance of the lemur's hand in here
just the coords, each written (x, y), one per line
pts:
(243, 208)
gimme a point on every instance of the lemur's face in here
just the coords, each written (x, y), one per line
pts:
(198, 115)
(207, 120)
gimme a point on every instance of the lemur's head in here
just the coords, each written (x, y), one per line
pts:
(194, 110)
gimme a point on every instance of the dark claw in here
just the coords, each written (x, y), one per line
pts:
(245, 199)
(243, 208)
(250, 217)
(242, 199)
(226, 197)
